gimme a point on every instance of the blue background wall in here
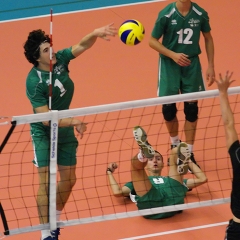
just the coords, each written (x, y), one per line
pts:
(12, 9)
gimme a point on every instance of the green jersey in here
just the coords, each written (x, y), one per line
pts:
(165, 191)
(37, 88)
(181, 34)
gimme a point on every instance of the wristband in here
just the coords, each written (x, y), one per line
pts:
(109, 170)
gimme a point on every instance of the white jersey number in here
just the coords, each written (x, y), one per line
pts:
(182, 39)
(60, 86)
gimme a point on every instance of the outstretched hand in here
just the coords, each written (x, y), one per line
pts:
(104, 32)
(224, 83)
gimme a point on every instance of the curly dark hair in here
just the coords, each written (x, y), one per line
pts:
(32, 45)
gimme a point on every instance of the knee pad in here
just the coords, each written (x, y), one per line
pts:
(191, 111)
(169, 111)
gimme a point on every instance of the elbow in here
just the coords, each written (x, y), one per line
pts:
(152, 42)
(204, 179)
(117, 195)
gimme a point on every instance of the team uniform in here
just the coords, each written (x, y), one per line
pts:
(180, 34)
(37, 90)
(233, 229)
(165, 191)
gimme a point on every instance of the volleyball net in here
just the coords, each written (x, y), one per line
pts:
(108, 139)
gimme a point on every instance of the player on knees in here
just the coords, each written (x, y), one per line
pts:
(233, 147)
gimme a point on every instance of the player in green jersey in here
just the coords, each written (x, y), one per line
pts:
(37, 52)
(180, 25)
(149, 188)
(233, 147)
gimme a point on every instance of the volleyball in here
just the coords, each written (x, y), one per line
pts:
(131, 32)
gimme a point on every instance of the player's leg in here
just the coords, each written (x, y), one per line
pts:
(169, 84)
(140, 179)
(65, 184)
(41, 161)
(67, 149)
(192, 81)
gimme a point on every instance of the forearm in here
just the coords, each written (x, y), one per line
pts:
(209, 45)
(117, 191)
(66, 122)
(157, 46)
(86, 43)
(227, 115)
(69, 122)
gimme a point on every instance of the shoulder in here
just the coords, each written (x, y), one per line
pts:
(65, 54)
(235, 149)
(34, 76)
(168, 11)
(199, 10)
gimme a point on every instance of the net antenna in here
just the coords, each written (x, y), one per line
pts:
(51, 65)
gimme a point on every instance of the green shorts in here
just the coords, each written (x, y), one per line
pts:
(170, 193)
(66, 151)
(174, 79)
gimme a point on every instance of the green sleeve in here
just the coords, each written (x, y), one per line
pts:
(159, 27)
(65, 55)
(36, 92)
(205, 23)
(129, 185)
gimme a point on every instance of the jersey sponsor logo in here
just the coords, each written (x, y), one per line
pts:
(158, 180)
(194, 22)
(174, 22)
(58, 69)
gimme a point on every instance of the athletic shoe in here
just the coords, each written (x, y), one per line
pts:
(55, 234)
(47, 238)
(172, 146)
(141, 138)
(183, 158)
(194, 161)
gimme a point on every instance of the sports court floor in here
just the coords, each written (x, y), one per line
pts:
(112, 72)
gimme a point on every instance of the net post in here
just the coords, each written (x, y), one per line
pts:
(53, 169)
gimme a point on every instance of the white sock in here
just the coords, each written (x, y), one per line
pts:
(45, 233)
(175, 140)
(190, 147)
(58, 215)
(141, 158)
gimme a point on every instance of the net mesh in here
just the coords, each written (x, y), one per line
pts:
(109, 138)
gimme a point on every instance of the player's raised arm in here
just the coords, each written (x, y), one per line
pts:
(89, 40)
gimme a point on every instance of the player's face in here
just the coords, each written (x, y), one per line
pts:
(155, 164)
(44, 58)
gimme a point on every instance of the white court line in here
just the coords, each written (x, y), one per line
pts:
(85, 10)
(176, 231)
